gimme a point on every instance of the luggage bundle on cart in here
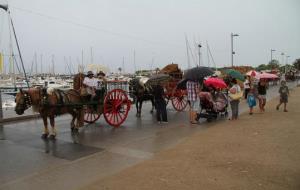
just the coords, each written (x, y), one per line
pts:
(177, 96)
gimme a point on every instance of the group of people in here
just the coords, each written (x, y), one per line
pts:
(259, 91)
(94, 86)
(253, 90)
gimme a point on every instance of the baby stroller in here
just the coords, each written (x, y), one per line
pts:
(212, 105)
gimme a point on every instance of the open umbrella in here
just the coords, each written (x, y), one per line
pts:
(215, 82)
(154, 79)
(198, 73)
(235, 74)
(266, 76)
(182, 84)
(252, 73)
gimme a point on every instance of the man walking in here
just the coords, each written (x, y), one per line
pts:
(193, 90)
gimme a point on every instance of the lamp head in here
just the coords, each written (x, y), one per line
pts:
(4, 7)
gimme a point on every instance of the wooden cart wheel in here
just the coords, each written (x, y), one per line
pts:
(179, 99)
(90, 115)
(116, 107)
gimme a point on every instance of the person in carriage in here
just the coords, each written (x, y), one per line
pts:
(89, 83)
(101, 83)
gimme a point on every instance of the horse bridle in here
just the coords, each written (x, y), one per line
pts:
(27, 100)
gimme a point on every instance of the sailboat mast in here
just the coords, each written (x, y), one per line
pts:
(12, 24)
(92, 60)
(134, 61)
(36, 64)
(208, 64)
(53, 70)
(11, 60)
(41, 57)
(187, 52)
(123, 64)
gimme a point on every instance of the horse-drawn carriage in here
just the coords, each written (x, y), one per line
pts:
(169, 76)
(112, 102)
(177, 96)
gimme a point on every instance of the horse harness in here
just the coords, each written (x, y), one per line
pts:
(27, 100)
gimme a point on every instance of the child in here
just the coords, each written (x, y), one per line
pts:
(251, 99)
(284, 92)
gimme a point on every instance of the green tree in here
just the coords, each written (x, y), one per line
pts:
(296, 64)
(262, 67)
(274, 64)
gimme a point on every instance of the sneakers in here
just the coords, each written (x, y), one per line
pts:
(165, 122)
(285, 110)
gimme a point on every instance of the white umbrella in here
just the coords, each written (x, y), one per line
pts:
(97, 68)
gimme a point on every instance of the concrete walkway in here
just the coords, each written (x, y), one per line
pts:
(261, 151)
(98, 151)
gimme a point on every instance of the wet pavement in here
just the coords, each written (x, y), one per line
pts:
(73, 161)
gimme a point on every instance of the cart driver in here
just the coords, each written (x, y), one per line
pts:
(90, 84)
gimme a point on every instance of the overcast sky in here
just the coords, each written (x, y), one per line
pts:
(154, 29)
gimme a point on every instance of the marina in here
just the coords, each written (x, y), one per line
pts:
(149, 95)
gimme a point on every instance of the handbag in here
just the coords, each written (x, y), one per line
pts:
(236, 96)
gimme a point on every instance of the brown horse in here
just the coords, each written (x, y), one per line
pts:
(50, 105)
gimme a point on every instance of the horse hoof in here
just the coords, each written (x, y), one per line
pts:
(44, 136)
(52, 137)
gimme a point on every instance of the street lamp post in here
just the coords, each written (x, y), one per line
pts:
(272, 50)
(282, 58)
(286, 63)
(199, 46)
(232, 52)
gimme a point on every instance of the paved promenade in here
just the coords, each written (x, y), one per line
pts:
(261, 151)
(97, 152)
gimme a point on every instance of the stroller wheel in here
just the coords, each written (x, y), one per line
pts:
(226, 114)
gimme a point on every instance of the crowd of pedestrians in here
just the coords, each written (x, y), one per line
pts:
(253, 90)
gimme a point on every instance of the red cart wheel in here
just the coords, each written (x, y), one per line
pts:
(116, 107)
(90, 115)
(179, 100)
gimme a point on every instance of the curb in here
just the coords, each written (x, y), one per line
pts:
(19, 119)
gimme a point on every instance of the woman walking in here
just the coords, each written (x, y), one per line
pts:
(262, 94)
(251, 99)
(247, 84)
(235, 94)
(284, 93)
